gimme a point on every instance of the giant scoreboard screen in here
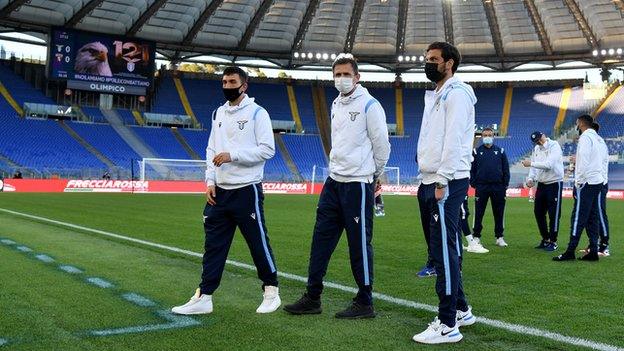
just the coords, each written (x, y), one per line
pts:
(100, 62)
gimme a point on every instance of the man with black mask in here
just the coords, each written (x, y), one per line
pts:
(444, 156)
(240, 142)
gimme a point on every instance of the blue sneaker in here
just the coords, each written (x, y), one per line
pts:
(551, 247)
(426, 272)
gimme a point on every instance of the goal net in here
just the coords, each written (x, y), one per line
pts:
(171, 169)
(391, 175)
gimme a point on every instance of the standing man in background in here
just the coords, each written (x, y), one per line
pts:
(603, 246)
(489, 176)
(359, 153)
(547, 174)
(589, 182)
(444, 156)
(241, 140)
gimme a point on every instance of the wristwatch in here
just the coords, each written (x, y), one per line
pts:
(440, 185)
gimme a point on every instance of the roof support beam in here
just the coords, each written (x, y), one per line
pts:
(580, 19)
(10, 7)
(303, 27)
(199, 24)
(490, 12)
(255, 21)
(539, 26)
(145, 17)
(305, 23)
(400, 39)
(353, 25)
(447, 12)
(80, 14)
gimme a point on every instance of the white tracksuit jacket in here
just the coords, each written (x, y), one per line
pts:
(245, 131)
(447, 133)
(590, 159)
(546, 163)
(359, 137)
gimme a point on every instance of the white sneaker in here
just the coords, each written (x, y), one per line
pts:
(198, 304)
(438, 333)
(271, 301)
(475, 246)
(465, 318)
(501, 242)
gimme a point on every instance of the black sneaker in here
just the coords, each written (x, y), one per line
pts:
(543, 244)
(566, 256)
(305, 305)
(356, 311)
(591, 256)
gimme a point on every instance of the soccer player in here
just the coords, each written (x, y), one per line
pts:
(360, 150)
(589, 182)
(547, 173)
(240, 142)
(444, 156)
(489, 175)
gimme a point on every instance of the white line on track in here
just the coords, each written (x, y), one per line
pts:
(515, 328)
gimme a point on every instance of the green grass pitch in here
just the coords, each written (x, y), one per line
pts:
(45, 308)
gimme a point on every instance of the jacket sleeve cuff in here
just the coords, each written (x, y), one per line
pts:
(235, 156)
(441, 179)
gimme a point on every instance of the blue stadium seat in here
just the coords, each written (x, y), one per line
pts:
(162, 142)
(306, 151)
(42, 144)
(106, 140)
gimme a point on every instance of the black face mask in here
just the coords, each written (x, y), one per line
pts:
(231, 94)
(579, 130)
(432, 73)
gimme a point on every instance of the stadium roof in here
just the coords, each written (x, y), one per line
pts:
(499, 34)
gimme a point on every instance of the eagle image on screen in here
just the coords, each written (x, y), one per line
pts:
(92, 58)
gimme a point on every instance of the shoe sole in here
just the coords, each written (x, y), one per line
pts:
(443, 341)
(364, 316)
(478, 252)
(190, 313)
(462, 323)
(297, 313)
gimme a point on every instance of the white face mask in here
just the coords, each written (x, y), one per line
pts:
(488, 140)
(344, 84)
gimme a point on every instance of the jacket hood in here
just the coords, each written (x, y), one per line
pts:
(456, 83)
(233, 109)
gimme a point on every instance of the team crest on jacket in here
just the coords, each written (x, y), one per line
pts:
(495, 152)
(353, 115)
(241, 124)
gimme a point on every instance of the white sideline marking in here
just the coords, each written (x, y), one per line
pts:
(7, 242)
(138, 300)
(515, 328)
(44, 258)
(3, 342)
(174, 323)
(23, 248)
(99, 282)
(70, 269)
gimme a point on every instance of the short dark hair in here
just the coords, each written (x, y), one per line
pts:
(487, 129)
(588, 121)
(344, 60)
(236, 70)
(448, 52)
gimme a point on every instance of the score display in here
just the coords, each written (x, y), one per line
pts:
(100, 62)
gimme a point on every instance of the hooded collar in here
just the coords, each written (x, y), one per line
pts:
(359, 91)
(244, 103)
(455, 82)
